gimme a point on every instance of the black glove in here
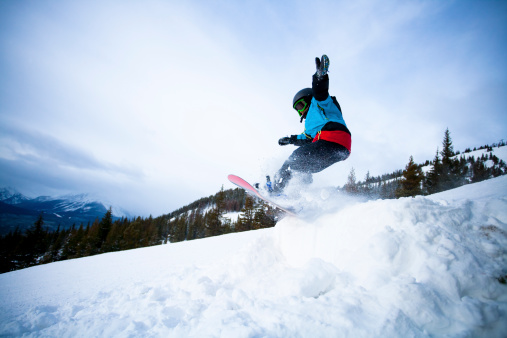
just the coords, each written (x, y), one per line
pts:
(288, 140)
(284, 141)
(322, 66)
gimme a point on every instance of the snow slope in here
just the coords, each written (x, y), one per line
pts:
(388, 268)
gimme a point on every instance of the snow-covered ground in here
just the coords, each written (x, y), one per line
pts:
(420, 266)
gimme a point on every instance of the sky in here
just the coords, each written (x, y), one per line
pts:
(150, 105)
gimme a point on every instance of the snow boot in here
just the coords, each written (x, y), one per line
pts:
(269, 185)
(265, 188)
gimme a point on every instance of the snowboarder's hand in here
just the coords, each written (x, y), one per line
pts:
(284, 141)
(322, 66)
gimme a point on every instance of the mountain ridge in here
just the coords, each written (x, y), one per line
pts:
(18, 210)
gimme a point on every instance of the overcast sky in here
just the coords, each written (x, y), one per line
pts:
(150, 104)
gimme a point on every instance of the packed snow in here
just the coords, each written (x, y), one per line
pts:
(419, 266)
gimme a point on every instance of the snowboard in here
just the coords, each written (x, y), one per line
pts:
(251, 190)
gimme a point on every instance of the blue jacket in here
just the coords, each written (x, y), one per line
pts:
(319, 114)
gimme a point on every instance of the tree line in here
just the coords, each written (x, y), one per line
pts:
(203, 218)
(449, 170)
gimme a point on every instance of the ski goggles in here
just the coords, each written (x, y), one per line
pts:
(300, 106)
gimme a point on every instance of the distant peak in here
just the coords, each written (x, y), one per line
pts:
(10, 195)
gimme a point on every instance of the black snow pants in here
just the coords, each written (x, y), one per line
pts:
(309, 159)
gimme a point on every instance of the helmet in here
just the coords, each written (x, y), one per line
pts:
(306, 93)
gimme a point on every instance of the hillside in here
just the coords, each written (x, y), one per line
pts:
(470, 166)
(424, 266)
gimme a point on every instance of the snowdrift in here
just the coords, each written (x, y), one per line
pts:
(410, 267)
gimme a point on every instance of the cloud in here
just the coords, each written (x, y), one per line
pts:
(37, 163)
(32, 146)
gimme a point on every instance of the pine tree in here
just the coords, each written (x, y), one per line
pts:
(56, 244)
(132, 235)
(447, 148)
(388, 189)
(191, 225)
(148, 232)
(92, 240)
(479, 171)
(10, 256)
(410, 184)
(105, 226)
(246, 219)
(453, 172)
(264, 216)
(446, 177)
(179, 231)
(367, 189)
(433, 178)
(351, 187)
(215, 223)
(113, 239)
(197, 226)
(34, 244)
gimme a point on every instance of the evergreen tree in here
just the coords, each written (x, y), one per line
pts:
(351, 187)
(114, 237)
(10, 256)
(264, 216)
(34, 244)
(92, 240)
(479, 171)
(215, 223)
(453, 172)
(410, 184)
(132, 235)
(246, 219)
(56, 245)
(463, 171)
(150, 233)
(367, 189)
(447, 148)
(433, 178)
(447, 178)
(179, 230)
(191, 225)
(105, 226)
(196, 228)
(388, 189)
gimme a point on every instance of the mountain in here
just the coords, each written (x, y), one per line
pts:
(11, 196)
(20, 211)
(6, 208)
(409, 267)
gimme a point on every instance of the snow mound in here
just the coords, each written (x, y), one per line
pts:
(420, 266)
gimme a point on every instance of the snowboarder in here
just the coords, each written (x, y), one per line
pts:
(326, 139)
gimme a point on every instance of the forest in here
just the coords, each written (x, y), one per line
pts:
(447, 170)
(207, 216)
(203, 218)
